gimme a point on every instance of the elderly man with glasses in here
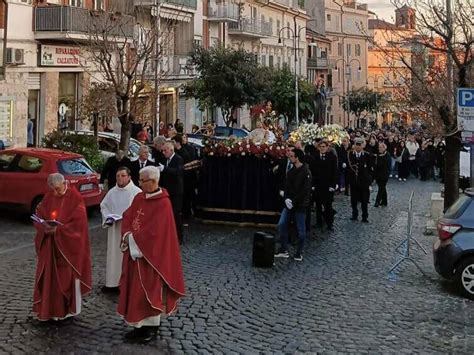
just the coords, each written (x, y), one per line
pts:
(152, 277)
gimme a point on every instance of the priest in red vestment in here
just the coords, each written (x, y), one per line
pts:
(63, 272)
(152, 276)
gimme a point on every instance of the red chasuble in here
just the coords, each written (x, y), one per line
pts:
(152, 284)
(62, 257)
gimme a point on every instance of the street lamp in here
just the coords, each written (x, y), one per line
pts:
(347, 64)
(296, 33)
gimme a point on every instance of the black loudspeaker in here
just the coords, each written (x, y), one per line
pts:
(263, 249)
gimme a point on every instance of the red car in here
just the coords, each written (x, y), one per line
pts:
(24, 174)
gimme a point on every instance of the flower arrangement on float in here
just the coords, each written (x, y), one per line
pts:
(309, 133)
(243, 147)
(333, 133)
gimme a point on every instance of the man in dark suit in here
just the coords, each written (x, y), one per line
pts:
(111, 167)
(140, 163)
(324, 182)
(172, 180)
(360, 177)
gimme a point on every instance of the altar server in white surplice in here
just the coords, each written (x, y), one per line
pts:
(114, 204)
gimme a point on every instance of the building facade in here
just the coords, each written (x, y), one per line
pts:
(273, 30)
(345, 23)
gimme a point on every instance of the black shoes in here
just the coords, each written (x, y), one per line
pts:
(376, 204)
(353, 218)
(110, 290)
(365, 220)
(141, 335)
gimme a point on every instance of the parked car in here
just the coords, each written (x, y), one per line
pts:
(453, 251)
(109, 143)
(220, 132)
(24, 173)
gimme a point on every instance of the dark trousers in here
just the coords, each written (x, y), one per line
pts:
(413, 166)
(177, 203)
(360, 194)
(324, 207)
(381, 198)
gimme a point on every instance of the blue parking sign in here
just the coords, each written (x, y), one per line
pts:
(465, 108)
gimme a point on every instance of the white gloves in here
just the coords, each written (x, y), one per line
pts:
(370, 188)
(161, 167)
(282, 193)
(344, 165)
(331, 189)
(289, 204)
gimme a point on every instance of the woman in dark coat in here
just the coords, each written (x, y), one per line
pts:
(403, 161)
(381, 174)
(425, 161)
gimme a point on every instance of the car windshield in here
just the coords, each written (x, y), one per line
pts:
(457, 209)
(134, 147)
(77, 166)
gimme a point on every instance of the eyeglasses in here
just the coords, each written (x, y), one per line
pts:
(144, 181)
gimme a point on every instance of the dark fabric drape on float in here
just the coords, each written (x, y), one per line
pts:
(238, 189)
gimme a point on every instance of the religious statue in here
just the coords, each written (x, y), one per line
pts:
(320, 96)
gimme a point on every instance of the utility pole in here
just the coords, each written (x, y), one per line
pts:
(296, 45)
(157, 24)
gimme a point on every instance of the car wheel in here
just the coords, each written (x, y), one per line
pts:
(35, 204)
(465, 277)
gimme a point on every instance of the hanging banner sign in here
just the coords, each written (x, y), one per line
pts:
(60, 56)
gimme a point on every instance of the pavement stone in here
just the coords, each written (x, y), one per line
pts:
(340, 299)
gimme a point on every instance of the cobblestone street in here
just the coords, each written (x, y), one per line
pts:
(339, 299)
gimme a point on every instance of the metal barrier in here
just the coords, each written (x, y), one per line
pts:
(406, 242)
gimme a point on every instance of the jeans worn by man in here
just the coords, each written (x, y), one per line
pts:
(297, 197)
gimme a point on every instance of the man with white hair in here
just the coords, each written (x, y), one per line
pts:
(63, 272)
(140, 163)
(152, 276)
(114, 204)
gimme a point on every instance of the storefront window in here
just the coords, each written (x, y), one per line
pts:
(6, 118)
(67, 95)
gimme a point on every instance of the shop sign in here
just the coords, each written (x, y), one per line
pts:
(60, 56)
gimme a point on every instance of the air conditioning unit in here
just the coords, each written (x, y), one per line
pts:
(15, 56)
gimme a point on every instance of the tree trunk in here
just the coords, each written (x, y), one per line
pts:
(125, 129)
(95, 124)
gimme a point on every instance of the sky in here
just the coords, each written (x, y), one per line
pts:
(383, 8)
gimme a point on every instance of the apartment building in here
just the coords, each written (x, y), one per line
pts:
(46, 71)
(345, 24)
(273, 30)
(387, 73)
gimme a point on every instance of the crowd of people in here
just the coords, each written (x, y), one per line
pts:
(311, 174)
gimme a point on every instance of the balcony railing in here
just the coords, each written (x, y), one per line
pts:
(223, 12)
(294, 4)
(174, 67)
(68, 19)
(317, 62)
(192, 4)
(251, 27)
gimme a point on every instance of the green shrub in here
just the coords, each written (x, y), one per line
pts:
(76, 143)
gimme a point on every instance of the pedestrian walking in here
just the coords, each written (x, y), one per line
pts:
(172, 180)
(297, 197)
(325, 174)
(114, 204)
(382, 168)
(360, 176)
(152, 276)
(63, 271)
